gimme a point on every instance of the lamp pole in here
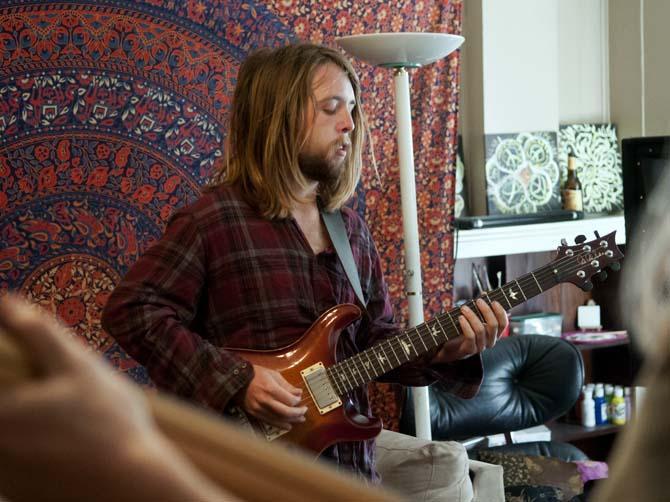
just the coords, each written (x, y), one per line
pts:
(400, 51)
(410, 225)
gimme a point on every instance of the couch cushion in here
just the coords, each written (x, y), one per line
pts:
(531, 471)
(423, 470)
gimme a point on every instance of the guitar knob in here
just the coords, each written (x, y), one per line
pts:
(588, 286)
(580, 239)
(602, 275)
(616, 266)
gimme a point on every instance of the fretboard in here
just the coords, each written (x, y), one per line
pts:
(412, 343)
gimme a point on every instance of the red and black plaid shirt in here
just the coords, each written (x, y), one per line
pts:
(223, 276)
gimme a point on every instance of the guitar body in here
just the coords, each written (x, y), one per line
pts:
(317, 345)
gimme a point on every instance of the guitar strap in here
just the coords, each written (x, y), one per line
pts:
(338, 235)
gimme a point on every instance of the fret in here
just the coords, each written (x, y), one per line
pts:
(359, 356)
(444, 331)
(393, 350)
(485, 296)
(384, 357)
(529, 286)
(521, 289)
(538, 284)
(511, 293)
(333, 374)
(411, 343)
(550, 278)
(421, 338)
(406, 347)
(453, 322)
(372, 364)
(496, 295)
(348, 368)
(353, 362)
(435, 331)
(502, 290)
(473, 306)
(346, 377)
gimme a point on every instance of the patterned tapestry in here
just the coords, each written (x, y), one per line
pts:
(112, 114)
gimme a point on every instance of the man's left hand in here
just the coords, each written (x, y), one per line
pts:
(477, 335)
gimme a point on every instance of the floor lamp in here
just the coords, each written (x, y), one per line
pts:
(400, 51)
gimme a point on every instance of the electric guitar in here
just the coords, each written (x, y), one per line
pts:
(310, 362)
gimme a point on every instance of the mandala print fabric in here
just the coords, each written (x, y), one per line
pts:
(112, 115)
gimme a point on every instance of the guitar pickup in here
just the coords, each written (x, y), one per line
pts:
(322, 391)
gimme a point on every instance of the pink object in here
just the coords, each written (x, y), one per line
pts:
(505, 332)
(591, 469)
(595, 336)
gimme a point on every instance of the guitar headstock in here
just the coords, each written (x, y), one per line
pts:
(579, 263)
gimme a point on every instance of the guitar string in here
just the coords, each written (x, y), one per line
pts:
(544, 273)
(419, 333)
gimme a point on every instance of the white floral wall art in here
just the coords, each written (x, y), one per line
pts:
(522, 174)
(598, 164)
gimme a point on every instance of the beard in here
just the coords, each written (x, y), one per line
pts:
(325, 167)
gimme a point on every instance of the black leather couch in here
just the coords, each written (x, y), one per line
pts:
(528, 380)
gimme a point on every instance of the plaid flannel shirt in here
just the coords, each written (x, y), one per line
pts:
(223, 276)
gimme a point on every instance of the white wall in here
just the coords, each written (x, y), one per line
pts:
(656, 44)
(520, 65)
(530, 65)
(583, 61)
(640, 74)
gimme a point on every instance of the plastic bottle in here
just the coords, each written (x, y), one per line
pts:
(618, 407)
(629, 403)
(588, 408)
(600, 405)
(609, 394)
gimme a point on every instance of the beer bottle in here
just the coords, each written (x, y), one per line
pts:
(572, 189)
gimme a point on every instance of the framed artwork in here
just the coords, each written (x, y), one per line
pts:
(598, 164)
(522, 173)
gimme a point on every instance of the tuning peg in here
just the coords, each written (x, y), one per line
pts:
(597, 234)
(564, 242)
(602, 275)
(616, 266)
(580, 239)
(588, 286)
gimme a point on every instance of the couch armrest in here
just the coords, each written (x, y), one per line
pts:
(430, 471)
(487, 482)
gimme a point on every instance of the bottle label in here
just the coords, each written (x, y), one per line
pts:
(619, 412)
(572, 200)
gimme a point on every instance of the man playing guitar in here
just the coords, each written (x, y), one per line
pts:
(250, 266)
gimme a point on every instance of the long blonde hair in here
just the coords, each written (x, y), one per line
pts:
(266, 129)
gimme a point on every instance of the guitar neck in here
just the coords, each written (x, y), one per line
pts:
(415, 342)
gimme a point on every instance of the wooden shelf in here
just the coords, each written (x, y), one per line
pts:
(516, 239)
(593, 346)
(565, 432)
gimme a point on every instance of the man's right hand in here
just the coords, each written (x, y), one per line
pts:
(271, 399)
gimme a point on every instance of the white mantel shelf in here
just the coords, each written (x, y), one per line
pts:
(517, 239)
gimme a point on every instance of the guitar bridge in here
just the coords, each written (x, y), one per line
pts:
(318, 384)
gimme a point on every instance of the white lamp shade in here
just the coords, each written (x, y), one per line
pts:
(400, 49)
